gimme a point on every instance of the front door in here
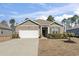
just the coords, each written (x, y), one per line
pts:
(44, 31)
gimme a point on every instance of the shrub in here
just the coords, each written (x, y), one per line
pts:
(15, 36)
(70, 34)
(57, 36)
(77, 36)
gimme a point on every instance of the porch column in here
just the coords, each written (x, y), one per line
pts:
(41, 31)
(48, 30)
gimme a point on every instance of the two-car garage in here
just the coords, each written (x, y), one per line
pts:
(28, 29)
(28, 33)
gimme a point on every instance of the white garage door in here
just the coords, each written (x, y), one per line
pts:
(28, 33)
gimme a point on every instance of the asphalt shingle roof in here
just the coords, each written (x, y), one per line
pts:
(43, 22)
(4, 26)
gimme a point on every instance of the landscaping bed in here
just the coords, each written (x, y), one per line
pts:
(5, 38)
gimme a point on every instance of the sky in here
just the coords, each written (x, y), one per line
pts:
(34, 11)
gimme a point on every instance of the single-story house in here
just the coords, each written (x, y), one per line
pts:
(74, 30)
(38, 28)
(5, 32)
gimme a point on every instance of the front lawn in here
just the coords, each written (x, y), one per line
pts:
(58, 47)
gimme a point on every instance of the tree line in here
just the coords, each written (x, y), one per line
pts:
(71, 21)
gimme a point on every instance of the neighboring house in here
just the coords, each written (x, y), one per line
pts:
(38, 28)
(5, 32)
(74, 30)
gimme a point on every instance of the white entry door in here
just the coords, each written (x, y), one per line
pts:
(28, 33)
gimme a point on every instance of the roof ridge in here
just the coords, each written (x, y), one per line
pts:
(26, 21)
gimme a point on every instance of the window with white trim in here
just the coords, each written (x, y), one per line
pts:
(55, 30)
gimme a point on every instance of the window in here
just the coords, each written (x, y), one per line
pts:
(55, 29)
(1, 32)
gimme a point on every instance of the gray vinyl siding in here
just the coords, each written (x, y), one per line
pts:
(75, 31)
(4, 32)
(55, 30)
(61, 29)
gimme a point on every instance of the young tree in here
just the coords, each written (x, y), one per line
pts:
(12, 26)
(64, 21)
(74, 19)
(50, 18)
(26, 19)
(12, 21)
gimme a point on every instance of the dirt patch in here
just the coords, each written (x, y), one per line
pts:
(57, 47)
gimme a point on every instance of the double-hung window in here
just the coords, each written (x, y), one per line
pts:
(55, 30)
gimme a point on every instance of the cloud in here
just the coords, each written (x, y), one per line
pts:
(58, 10)
(76, 11)
(45, 5)
(42, 4)
(60, 18)
(2, 15)
(14, 12)
(42, 17)
(52, 11)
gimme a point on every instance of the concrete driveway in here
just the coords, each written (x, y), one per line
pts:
(19, 47)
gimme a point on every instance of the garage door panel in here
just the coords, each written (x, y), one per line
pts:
(29, 33)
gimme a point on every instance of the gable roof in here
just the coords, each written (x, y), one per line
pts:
(56, 23)
(4, 27)
(43, 22)
(27, 21)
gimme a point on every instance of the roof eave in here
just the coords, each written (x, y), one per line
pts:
(26, 21)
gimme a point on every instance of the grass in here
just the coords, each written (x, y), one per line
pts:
(58, 47)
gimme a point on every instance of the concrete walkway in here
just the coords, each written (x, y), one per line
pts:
(19, 47)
